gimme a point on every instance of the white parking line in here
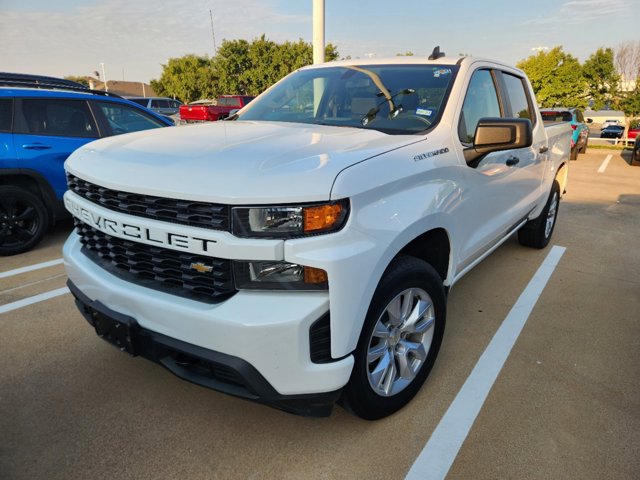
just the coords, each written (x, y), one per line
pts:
(441, 450)
(606, 161)
(31, 268)
(31, 300)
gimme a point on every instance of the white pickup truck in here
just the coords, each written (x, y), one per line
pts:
(302, 253)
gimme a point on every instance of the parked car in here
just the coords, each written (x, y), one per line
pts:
(633, 132)
(612, 131)
(635, 153)
(608, 123)
(210, 111)
(580, 137)
(43, 120)
(161, 105)
(296, 255)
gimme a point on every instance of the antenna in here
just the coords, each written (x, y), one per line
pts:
(436, 54)
(213, 33)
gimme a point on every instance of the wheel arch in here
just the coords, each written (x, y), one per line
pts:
(434, 247)
(562, 176)
(431, 244)
(34, 183)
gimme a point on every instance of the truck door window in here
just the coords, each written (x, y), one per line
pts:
(480, 101)
(520, 106)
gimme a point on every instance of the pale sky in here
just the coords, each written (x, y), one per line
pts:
(133, 38)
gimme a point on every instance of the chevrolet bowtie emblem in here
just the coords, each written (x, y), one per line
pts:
(201, 267)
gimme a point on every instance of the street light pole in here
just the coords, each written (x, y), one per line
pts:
(104, 78)
(318, 31)
(318, 50)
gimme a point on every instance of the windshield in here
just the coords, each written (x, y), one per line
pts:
(396, 99)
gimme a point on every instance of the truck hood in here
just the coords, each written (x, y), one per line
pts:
(231, 162)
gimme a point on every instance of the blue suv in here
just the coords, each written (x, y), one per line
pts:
(42, 121)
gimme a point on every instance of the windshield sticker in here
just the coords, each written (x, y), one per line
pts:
(424, 156)
(423, 111)
(442, 71)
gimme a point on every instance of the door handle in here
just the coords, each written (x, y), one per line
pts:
(35, 146)
(511, 161)
(544, 149)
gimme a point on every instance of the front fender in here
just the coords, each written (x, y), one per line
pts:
(356, 257)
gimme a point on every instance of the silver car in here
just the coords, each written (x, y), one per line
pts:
(161, 105)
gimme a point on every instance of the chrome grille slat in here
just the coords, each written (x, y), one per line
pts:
(185, 212)
(158, 268)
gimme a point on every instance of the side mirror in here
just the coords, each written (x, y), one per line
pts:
(497, 134)
(589, 120)
(231, 115)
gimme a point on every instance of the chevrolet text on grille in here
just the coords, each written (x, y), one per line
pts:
(130, 230)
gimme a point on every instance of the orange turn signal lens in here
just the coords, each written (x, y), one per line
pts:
(314, 275)
(322, 217)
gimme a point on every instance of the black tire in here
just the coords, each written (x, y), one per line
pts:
(574, 153)
(408, 276)
(23, 220)
(537, 233)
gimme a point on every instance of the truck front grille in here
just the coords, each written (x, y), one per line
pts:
(186, 212)
(162, 269)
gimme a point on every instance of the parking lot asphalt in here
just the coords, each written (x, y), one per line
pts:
(566, 403)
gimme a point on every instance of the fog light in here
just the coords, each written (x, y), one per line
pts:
(266, 275)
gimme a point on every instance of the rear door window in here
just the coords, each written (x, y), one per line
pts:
(57, 117)
(518, 100)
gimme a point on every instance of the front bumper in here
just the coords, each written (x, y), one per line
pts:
(269, 331)
(198, 365)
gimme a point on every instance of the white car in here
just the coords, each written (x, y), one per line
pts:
(302, 252)
(608, 123)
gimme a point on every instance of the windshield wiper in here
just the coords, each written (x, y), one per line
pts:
(393, 110)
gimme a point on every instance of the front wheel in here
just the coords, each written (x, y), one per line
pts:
(400, 339)
(537, 233)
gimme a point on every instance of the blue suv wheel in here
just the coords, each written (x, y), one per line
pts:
(23, 220)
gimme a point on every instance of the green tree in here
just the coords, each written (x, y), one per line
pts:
(187, 78)
(556, 78)
(78, 79)
(601, 77)
(245, 68)
(239, 68)
(629, 102)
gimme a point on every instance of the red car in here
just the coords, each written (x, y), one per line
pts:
(209, 111)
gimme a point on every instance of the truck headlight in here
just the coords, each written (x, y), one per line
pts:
(270, 275)
(289, 221)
